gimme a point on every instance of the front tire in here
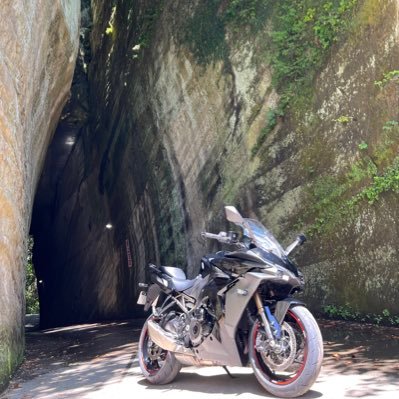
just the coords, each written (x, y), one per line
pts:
(291, 369)
(157, 365)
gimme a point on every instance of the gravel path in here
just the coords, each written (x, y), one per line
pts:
(99, 361)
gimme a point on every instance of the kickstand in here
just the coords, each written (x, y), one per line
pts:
(228, 372)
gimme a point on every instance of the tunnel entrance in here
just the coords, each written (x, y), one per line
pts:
(79, 254)
(48, 251)
(111, 197)
(93, 219)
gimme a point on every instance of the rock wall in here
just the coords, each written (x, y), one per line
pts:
(136, 168)
(38, 44)
(185, 117)
(353, 255)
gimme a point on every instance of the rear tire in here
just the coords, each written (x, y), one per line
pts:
(297, 379)
(157, 365)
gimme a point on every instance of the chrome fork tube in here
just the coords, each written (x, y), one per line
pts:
(261, 312)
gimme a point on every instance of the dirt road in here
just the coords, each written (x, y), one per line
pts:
(99, 361)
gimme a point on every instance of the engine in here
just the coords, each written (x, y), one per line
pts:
(190, 329)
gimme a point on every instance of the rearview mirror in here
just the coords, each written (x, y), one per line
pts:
(232, 215)
(299, 241)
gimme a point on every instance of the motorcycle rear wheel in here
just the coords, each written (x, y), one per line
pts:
(157, 365)
(297, 379)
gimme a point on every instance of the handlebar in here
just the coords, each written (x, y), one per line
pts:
(221, 237)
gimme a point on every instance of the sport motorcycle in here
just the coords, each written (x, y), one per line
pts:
(239, 311)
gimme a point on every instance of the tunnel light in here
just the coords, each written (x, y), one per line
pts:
(70, 141)
(108, 226)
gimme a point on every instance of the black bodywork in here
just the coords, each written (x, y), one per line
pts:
(225, 266)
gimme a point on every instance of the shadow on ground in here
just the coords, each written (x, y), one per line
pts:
(370, 352)
(219, 383)
(99, 360)
(366, 346)
(71, 361)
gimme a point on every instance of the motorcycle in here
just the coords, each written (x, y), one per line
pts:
(239, 311)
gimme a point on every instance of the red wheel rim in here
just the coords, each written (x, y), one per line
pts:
(152, 366)
(266, 370)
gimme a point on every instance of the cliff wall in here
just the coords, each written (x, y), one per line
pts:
(288, 110)
(38, 44)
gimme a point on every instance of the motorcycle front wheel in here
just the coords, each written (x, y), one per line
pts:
(289, 368)
(157, 365)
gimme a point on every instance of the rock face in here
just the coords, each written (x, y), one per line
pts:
(138, 168)
(38, 45)
(176, 130)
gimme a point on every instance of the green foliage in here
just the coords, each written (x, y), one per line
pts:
(362, 170)
(11, 355)
(271, 122)
(390, 125)
(343, 119)
(110, 28)
(388, 145)
(325, 199)
(387, 78)
(388, 181)
(205, 33)
(241, 13)
(363, 146)
(329, 22)
(332, 200)
(346, 312)
(32, 300)
(386, 313)
(303, 31)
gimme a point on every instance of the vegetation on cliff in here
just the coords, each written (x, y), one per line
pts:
(297, 36)
(31, 296)
(333, 199)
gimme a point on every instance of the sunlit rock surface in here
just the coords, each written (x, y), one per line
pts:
(38, 46)
(169, 140)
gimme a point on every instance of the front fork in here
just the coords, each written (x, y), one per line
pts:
(268, 321)
(262, 314)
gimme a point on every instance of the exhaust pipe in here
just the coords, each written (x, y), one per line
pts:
(166, 340)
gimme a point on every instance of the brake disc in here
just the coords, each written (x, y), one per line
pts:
(279, 357)
(154, 351)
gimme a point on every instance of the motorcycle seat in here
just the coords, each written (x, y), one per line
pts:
(174, 272)
(178, 278)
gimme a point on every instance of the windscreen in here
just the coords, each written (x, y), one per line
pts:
(262, 237)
